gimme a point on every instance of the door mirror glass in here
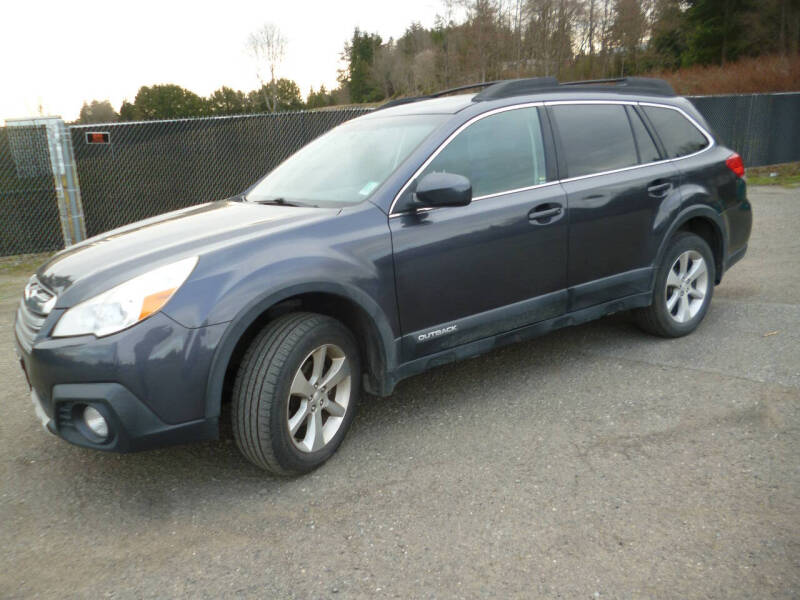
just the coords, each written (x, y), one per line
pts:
(443, 189)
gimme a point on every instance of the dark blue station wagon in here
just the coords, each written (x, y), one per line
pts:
(427, 231)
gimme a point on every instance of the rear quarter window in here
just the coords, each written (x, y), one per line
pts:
(679, 135)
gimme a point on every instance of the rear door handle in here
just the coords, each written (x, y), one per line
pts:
(542, 216)
(659, 190)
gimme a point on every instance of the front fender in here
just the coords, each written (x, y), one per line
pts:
(349, 257)
(251, 311)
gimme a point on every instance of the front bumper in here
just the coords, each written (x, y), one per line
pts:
(148, 382)
(132, 426)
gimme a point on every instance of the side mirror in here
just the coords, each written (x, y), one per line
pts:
(443, 189)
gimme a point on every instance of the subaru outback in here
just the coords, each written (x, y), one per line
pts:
(429, 230)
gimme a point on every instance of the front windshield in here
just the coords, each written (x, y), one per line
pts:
(347, 164)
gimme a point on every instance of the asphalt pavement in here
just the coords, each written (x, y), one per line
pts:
(595, 462)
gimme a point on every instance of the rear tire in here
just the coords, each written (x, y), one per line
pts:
(683, 288)
(296, 393)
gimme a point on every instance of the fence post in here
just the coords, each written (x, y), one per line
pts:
(65, 175)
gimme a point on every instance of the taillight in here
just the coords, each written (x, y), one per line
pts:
(735, 164)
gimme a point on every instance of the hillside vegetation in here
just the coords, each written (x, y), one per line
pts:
(700, 46)
(746, 76)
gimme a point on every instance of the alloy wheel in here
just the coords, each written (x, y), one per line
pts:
(318, 398)
(687, 286)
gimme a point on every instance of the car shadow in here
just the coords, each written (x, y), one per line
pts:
(151, 481)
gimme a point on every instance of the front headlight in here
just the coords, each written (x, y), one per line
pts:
(126, 304)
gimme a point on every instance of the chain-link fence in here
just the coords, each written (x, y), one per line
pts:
(763, 128)
(130, 171)
(29, 217)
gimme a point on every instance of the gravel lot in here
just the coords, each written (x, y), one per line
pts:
(593, 462)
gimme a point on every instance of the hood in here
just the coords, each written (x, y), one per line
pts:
(106, 260)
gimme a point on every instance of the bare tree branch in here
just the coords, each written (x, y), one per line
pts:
(267, 48)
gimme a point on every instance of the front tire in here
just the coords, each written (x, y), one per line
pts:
(683, 288)
(296, 393)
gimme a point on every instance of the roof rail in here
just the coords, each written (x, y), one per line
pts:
(516, 87)
(461, 88)
(494, 90)
(641, 85)
(521, 87)
(399, 101)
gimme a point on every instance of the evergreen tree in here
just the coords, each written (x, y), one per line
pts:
(715, 30)
(360, 54)
(284, 93)
(168, 101)
(227, 101)
(98, 112)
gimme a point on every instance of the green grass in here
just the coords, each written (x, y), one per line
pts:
(786, 175)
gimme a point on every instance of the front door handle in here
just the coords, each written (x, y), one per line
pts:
(659, 189)
(541, 215)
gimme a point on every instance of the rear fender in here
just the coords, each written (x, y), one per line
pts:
(685, 215)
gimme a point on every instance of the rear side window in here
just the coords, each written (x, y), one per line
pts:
(647, 149)
(499, 153)
(594, 138)
(679, 136)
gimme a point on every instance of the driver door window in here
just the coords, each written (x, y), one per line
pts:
(499, 153)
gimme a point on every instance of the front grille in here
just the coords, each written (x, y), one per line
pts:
(36, 304)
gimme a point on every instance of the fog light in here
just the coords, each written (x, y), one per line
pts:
(95, 422)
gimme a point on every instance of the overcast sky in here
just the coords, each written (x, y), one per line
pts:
(60, 53)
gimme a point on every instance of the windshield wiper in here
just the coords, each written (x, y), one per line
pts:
(278, 201)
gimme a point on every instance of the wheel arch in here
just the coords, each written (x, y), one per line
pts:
(706, 223)
(355, 309)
